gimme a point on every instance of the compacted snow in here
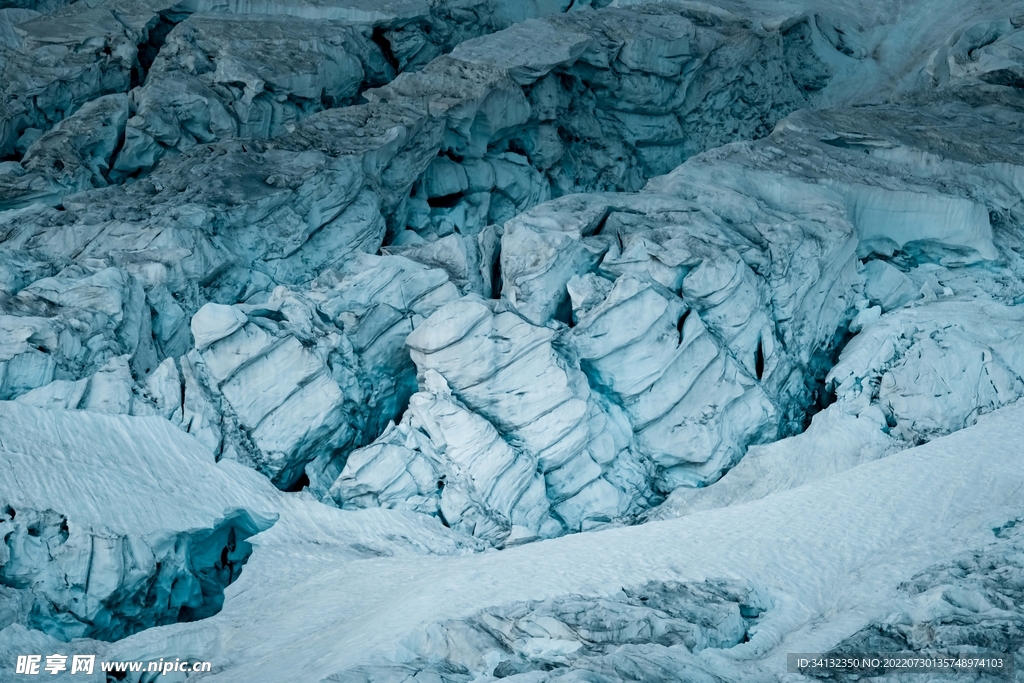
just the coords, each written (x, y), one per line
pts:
(468, 340)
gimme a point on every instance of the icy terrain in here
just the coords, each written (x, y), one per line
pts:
(465, 340)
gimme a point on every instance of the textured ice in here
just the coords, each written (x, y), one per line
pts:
(541, 340)
(823, 560)
(613, 98)
(161, 534)
(208, 71)
(934, 368)
(52, 64)
(525, 388)
(649, 632)
(955, 605)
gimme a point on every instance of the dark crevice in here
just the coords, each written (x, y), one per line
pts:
(601, 223)
(807, 71)
(457, 158)
(269, 314)
(182, 398)
(822, 395)
(759, 359)
(384, 44)
(681, 324)
(516, 146)
(1005, 77)
(563, 313)
(448, 201)
(148, 51)
(496, 282)
(299, 484)
(121, 137)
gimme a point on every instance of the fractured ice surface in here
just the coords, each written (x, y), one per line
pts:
(614, 98)
(304, 377)
(103, 566)
(488, 278)
(644, 633)
(53, 64)
(443, 459)
(932, 369)
(523, 386)
(112, 524)
(248, 70)
(222, 76)
(972, 599)
(822, 561)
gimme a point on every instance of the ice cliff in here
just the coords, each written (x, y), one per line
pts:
(531, 338)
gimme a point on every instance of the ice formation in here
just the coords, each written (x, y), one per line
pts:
(548, 340)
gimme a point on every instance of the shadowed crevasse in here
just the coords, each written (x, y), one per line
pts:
(75, 584)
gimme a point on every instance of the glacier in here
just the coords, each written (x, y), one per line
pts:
(540, 340)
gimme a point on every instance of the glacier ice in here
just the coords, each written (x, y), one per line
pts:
(933, 369)
(645, 633)
(542, 340)
(107, 568)
(821, 561)
(165, 529)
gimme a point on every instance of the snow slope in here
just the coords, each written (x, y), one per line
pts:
(102, 513)
(827, 556)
